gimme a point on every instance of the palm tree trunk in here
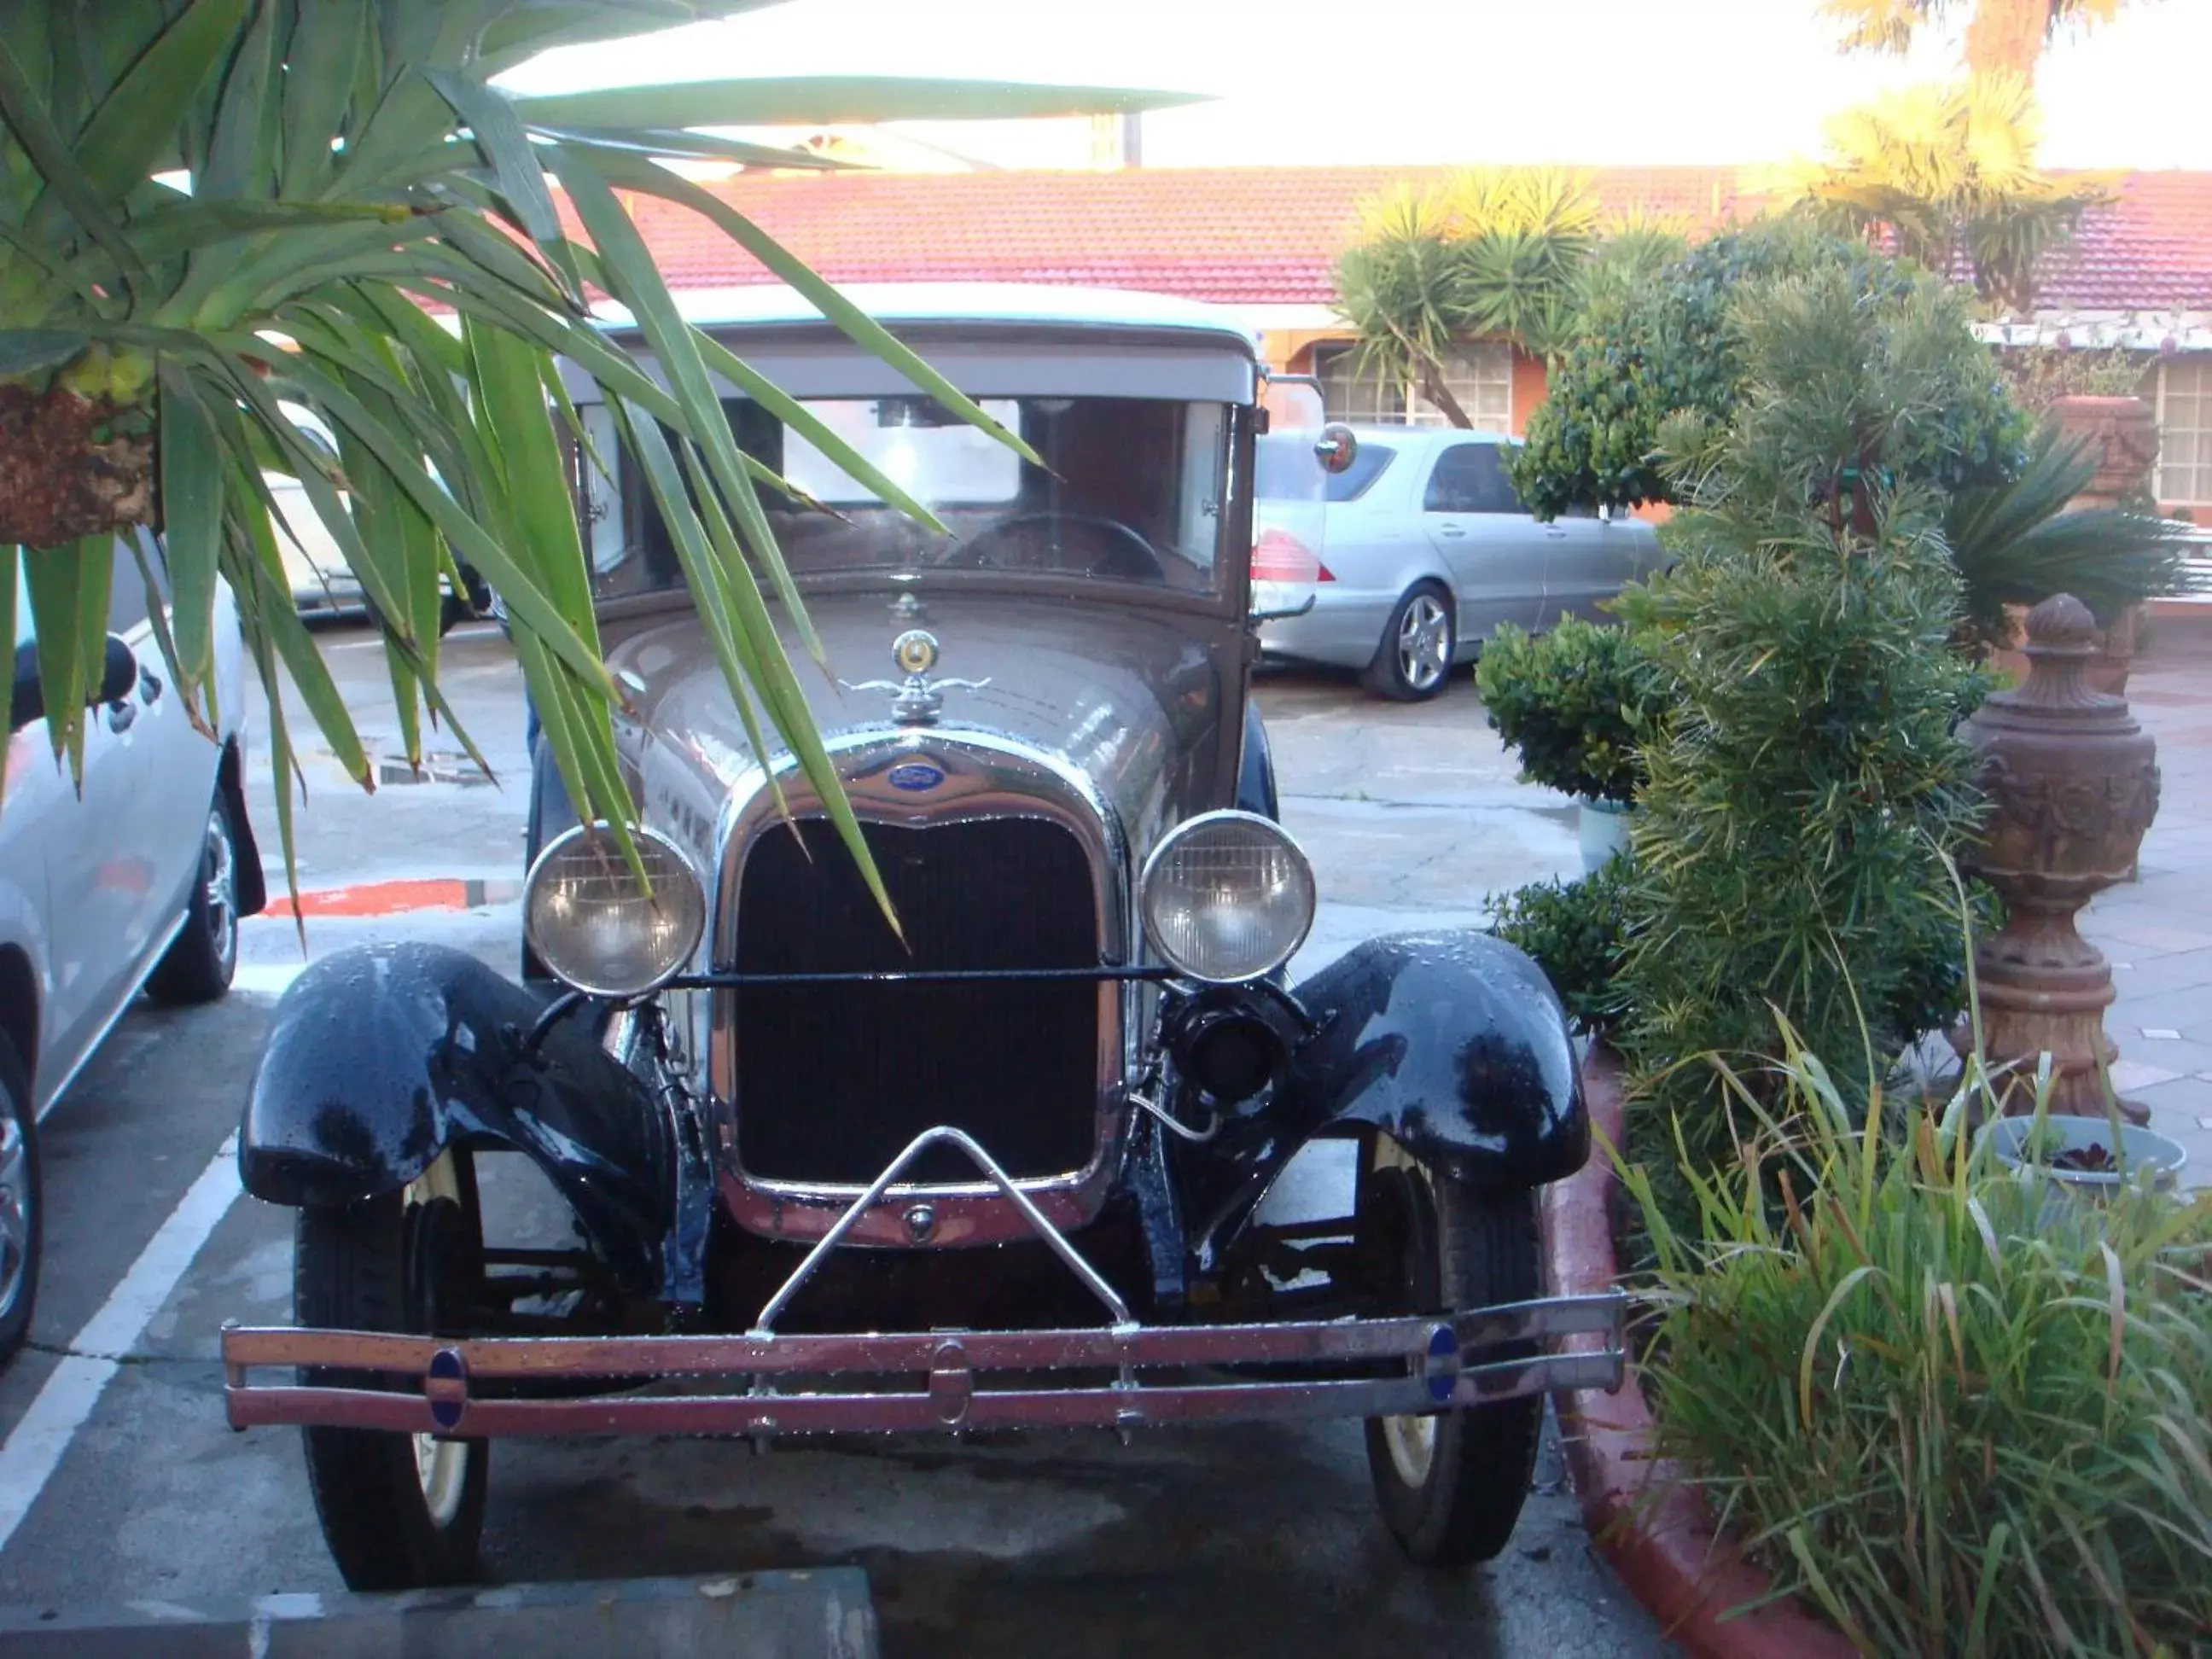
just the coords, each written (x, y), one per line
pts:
(1434, 389)
(2007, 35)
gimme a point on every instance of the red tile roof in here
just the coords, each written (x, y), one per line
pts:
(1269, 235)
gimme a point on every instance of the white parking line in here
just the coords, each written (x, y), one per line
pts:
(35, 1447)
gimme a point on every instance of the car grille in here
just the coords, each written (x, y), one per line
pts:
(834, 1080)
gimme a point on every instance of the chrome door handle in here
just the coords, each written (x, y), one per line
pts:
(1557, 532)
(1451, 530)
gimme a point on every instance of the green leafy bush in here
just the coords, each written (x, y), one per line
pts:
(1955, 1424)
(1648, 350)
(1807, 788)
(1577, 931)
(1577, 704)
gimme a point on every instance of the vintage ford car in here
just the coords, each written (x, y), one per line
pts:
(1011, 1171)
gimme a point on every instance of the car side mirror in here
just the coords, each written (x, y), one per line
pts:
(1335, 447)
(119, 672)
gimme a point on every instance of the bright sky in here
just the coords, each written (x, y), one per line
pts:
(1311, 82)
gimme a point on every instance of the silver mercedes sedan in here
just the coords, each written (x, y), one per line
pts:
(1403, 552)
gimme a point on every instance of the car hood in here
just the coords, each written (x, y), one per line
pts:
(1145, 702)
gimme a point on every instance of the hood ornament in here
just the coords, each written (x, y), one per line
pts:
(917, 700)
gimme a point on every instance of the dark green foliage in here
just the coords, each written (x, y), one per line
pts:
(1802, 801)
(1577, 931)
(1575, 701)
(2013, 543)
(1664, 346)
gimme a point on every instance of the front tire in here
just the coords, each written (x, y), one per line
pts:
(1451, 1483)
(399, 1511)
(1413, 661)
(21, 1204)
(200, 961)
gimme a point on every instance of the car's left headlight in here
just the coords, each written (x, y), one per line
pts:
(1227, 896)
(595, 928)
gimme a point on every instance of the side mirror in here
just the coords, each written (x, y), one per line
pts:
(26, 702)
(118, 674)
(1335, 447)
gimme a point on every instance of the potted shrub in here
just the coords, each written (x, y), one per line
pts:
(1577, 704)
(2089, 1156)
(1576, 932)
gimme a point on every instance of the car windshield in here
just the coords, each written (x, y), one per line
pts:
(1287, 469)
(1130, 491)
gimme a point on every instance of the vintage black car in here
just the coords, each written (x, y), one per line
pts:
(1007, 1171)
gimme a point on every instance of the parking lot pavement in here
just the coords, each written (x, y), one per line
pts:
(118, 1483)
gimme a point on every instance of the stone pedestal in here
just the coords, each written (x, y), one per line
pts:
(2073, 784)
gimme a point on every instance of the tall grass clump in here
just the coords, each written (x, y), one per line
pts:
(1958, 1412)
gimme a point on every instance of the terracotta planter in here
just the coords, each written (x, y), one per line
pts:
(2124, 431)
(1656, 1528)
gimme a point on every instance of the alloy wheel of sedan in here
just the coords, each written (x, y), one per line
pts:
(19, 1203)
(201, 960)
(1413, 661)
(15, 1206)
(1423, 642)
(219, 889)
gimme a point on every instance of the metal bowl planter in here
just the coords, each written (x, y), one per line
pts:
(2140, 1152)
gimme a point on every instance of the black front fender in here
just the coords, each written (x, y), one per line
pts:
(383, 1055)
(1452, 1043)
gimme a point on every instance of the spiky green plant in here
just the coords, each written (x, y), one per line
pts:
(2014, 542)
(331, 166)
(1957, 1414)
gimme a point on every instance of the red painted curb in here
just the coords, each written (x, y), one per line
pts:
(389, 898)
(1656, 1529)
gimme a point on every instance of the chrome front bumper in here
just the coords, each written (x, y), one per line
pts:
(936, 1379)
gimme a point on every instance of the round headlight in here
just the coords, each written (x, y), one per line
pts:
(1227, 896)
(595, 928)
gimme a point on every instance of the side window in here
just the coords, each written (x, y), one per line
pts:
(1471, 478)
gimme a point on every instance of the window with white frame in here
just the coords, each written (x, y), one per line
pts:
(1478, 374)
(2184, 432)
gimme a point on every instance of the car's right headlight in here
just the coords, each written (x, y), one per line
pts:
(595, 928)
(1227, 896)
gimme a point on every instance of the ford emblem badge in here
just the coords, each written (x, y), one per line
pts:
(915, 776)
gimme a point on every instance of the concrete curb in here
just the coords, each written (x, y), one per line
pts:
(822, 1614)
(1654, 1527)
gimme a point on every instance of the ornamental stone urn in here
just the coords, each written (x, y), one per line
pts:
(2072, 781)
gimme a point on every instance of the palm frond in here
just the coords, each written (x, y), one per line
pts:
(344, 163)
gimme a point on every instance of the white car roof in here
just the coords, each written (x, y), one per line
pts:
(1417, 437)
(772, 304)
